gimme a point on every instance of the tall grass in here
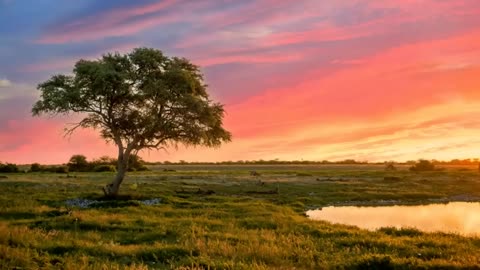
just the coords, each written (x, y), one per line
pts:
(230, 229)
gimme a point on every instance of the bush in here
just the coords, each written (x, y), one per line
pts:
(61, 169)
(104, 168)
(55, 169)
(78, 163)
(136, 163)
(143, 168)
(104, 160)
(35, 167)
(423, 166)
(8, 168)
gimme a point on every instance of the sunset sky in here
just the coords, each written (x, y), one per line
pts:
(300, 79)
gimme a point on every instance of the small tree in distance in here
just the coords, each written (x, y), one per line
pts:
(140, 100)
(422, 166)
(78, 163)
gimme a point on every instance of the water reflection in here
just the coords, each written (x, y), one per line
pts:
(456, 217)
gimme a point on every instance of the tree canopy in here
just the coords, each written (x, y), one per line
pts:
(140, 100)
(77, 163)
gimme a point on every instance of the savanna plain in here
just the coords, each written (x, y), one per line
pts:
(225, 217)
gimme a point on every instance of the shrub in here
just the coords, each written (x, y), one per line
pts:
(35, 167)
(104, 168)
(423, 166)
(142, 168)
(55, 169)
(61, 169)
(8, 168)
(136, 163)
(104, 160)
(78, 163)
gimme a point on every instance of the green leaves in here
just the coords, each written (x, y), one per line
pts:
(140, 100)
(57, 96)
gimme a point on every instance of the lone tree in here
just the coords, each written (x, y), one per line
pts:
(78, 163)
(140, 100)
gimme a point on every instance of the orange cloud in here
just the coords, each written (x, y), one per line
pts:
(333, 79)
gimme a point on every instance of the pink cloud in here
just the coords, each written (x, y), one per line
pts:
(321, 34)
(68, 62)
(118, 30)
(262, 12)
(386, 84)
(406, 12)
(393, 101)
(249, 58)
(110, 24)
(253, 27)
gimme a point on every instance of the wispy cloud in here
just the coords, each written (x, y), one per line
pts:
(301, 79)
(116, 22)
(67, 63)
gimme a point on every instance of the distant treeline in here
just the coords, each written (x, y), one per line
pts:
(78, 163)
(259, 162)
(310, 162)
(473, 161)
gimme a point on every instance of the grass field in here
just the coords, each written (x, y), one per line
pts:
(221, 217)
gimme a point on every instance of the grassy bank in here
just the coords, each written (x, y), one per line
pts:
(223, 218)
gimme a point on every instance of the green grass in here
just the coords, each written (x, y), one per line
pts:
(240, 226)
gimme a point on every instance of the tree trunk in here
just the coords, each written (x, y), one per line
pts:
(111, 190)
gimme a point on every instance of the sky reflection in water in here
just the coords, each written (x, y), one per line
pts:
(456, 217)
